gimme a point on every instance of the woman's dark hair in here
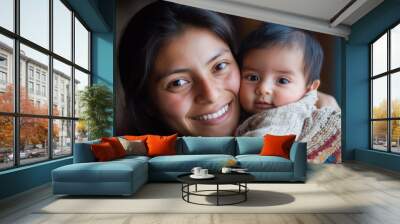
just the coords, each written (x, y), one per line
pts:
(144, 36)
(269, 35)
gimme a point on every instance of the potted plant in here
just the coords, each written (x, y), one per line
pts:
(96, 103)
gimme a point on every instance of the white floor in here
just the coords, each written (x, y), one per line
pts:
(377, 188)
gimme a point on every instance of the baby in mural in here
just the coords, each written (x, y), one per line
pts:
(280, 69)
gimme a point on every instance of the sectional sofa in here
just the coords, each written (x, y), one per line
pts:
(126, 175)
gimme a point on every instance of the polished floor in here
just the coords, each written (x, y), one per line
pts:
(377, 188)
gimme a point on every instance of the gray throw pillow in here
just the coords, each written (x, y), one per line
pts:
(135, 147)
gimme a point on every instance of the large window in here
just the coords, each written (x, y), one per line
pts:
(385, 91)
(44, 64)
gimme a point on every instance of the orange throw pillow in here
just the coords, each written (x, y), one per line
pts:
(116, 145)
(103, 151)
(134, 137)
(277, 145)
(161, 145)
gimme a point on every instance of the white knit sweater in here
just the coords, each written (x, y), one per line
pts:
(283, 120)
(320, 128)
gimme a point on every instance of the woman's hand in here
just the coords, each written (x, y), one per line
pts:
(325, 100)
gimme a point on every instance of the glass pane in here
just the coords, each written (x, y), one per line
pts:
(62, 89)
(395, 136)
(33, 139)
(395, 94)
(81, 45)
(6, 142)
(379, 97)
(395, 47)
(62, 138)
(379, 55)
(34, 94)
(81, 131)
(7, 14)
(35, 21)
(6, 74)
(379, 135)
(81, 81)
(62, 29)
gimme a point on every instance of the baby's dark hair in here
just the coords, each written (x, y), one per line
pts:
(269, 35)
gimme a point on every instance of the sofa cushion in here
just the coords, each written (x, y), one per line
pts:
(83, 152)
(249, 145)
(118, 177)
(103, 151)
(117, 146)
(112, 171)
(131, 158)
(136, 137)
(277, 145)
(208, 145)
(133, 147)
(257, 163)
(185, 163)
(161, 145)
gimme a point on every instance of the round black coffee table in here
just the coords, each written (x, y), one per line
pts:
(238, 179)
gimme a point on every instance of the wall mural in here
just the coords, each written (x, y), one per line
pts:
(195, 72)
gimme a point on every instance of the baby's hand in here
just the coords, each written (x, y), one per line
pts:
(325, 100)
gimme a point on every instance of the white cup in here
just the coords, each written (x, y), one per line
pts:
(196, 170)
(203, 172)
(226, 170)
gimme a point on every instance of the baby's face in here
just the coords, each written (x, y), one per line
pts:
(272, 77)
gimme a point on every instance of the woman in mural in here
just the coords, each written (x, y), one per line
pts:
(179, 73)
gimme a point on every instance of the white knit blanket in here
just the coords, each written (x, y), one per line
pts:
(283, 120)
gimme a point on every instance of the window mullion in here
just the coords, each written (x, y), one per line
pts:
(50, 87)
(389, 106)
(16, 84)
(73, 83)
(371, 89)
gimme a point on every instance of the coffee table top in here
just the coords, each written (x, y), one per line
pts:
(220, 178)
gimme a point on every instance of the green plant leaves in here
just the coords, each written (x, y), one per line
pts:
(96, 102)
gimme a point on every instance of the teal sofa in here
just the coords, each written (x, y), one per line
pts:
(125, 176)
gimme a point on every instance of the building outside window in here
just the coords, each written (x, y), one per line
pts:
(3, 60)
(55, 95)
(3, 72)
(37, 75)
(385, 91)
(38, 89)
(56, 127)
(30, 72)
(30, 87)
(3, 78)
(43, 90)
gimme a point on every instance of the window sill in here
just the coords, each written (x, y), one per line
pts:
(26, 167)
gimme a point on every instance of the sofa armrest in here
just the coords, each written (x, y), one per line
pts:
(83, 152)
(298, 155)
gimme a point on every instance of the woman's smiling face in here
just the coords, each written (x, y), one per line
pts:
(195, 83)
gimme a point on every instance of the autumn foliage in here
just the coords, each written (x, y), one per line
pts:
(33, 131)
(380, 127)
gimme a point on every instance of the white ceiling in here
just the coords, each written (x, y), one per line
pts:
(314, 15)
(320, 9)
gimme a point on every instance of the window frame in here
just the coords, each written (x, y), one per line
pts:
(16, 115)
(388, 74)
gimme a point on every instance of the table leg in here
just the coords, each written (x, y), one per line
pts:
(182, 190)
(245, 191)
(196, 188)
(188, 192)
(217, 194)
